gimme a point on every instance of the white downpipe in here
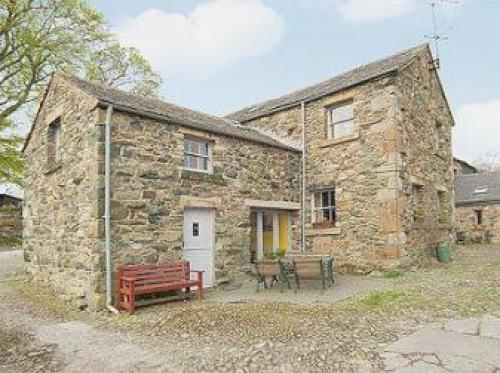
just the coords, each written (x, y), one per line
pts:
(304, 183)
(107, 209)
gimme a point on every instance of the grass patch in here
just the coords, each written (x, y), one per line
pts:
(392, 273)
(382, 298)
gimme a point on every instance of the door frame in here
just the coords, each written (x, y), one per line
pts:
(259, 250)
(212, 222)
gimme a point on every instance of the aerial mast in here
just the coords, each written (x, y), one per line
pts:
(436, 37)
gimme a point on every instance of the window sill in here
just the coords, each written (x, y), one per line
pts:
(196, 171)
(188, 174)
(340, 140)
(50, 169)
(323, 232)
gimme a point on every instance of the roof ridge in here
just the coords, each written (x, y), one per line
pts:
(483, 173)
(155, 107)
(255, 106)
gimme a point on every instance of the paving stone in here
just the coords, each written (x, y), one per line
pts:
(490, 327)
(421, 367)
(467, 326)
(449, 343)
(463, 364)
(431, 359)
(393, 361)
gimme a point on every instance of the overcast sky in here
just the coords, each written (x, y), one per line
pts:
(220, 55)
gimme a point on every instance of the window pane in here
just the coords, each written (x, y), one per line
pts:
(343, 112)
(326, 215)
(324, 197)
(343, 129)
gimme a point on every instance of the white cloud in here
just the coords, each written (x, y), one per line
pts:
(368, 11)
(477, 130)
(205, 40)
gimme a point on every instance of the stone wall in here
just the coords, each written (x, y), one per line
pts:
(466, 224)
(150, 190)
(61, 239)
(426, 158)
(10, 223)
(373, 170)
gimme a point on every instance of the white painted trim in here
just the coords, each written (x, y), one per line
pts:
(212, 231)
(278, 205)
(276, 231)
(260, 235)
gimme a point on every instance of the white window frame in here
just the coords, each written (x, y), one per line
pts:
(276, 231)
(208, 157)
(331, 206)
(331, 122)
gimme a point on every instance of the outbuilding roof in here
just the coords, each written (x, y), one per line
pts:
(11, 190)
(348, 79)
(477, 188)
(168, 112)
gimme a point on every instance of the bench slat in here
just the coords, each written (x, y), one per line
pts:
(138, 279)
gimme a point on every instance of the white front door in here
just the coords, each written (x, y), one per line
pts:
(198, 246)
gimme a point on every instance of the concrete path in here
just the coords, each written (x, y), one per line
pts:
(470, 345)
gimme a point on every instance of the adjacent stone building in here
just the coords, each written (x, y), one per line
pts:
(477, 207)
(461, 167)
(378, 159)
(223, 192)
(11, 201)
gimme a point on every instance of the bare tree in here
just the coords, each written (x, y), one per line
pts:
(487, 162)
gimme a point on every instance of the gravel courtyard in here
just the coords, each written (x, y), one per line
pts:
(361, 324)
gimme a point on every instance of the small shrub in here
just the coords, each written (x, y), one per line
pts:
(392, 273)
(380, 298)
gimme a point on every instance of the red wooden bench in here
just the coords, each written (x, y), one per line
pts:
(139, 279)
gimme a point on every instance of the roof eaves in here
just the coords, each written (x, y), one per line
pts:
(190, 124)
(314, 97)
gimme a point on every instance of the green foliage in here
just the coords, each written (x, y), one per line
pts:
(382, 298)
(40, 37)
(11, 161)
(392, 273)
(122, 67)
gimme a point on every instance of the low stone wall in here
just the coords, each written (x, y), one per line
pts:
(11, 225)
(466, 226)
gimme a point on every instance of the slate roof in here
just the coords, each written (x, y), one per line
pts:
(348, 79)
(466, 185)
(11, 190)
(158, 109)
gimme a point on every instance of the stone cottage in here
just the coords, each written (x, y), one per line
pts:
(372, 186)
(378, 162)
(461, 167)
(477, 207)
(11, 202)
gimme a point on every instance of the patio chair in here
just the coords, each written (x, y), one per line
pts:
(328, 268)
(309, 269)
(267, 269)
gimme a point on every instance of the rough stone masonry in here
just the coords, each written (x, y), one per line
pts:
(389, 181)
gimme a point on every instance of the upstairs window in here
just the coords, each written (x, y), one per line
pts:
(197, 155)
(324, 208)
(479, 217)
(439, 135)
(53, 142)
(416, 199)
(340, 120)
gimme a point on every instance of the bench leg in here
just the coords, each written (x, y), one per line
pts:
(199, 291)
(131, 299)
